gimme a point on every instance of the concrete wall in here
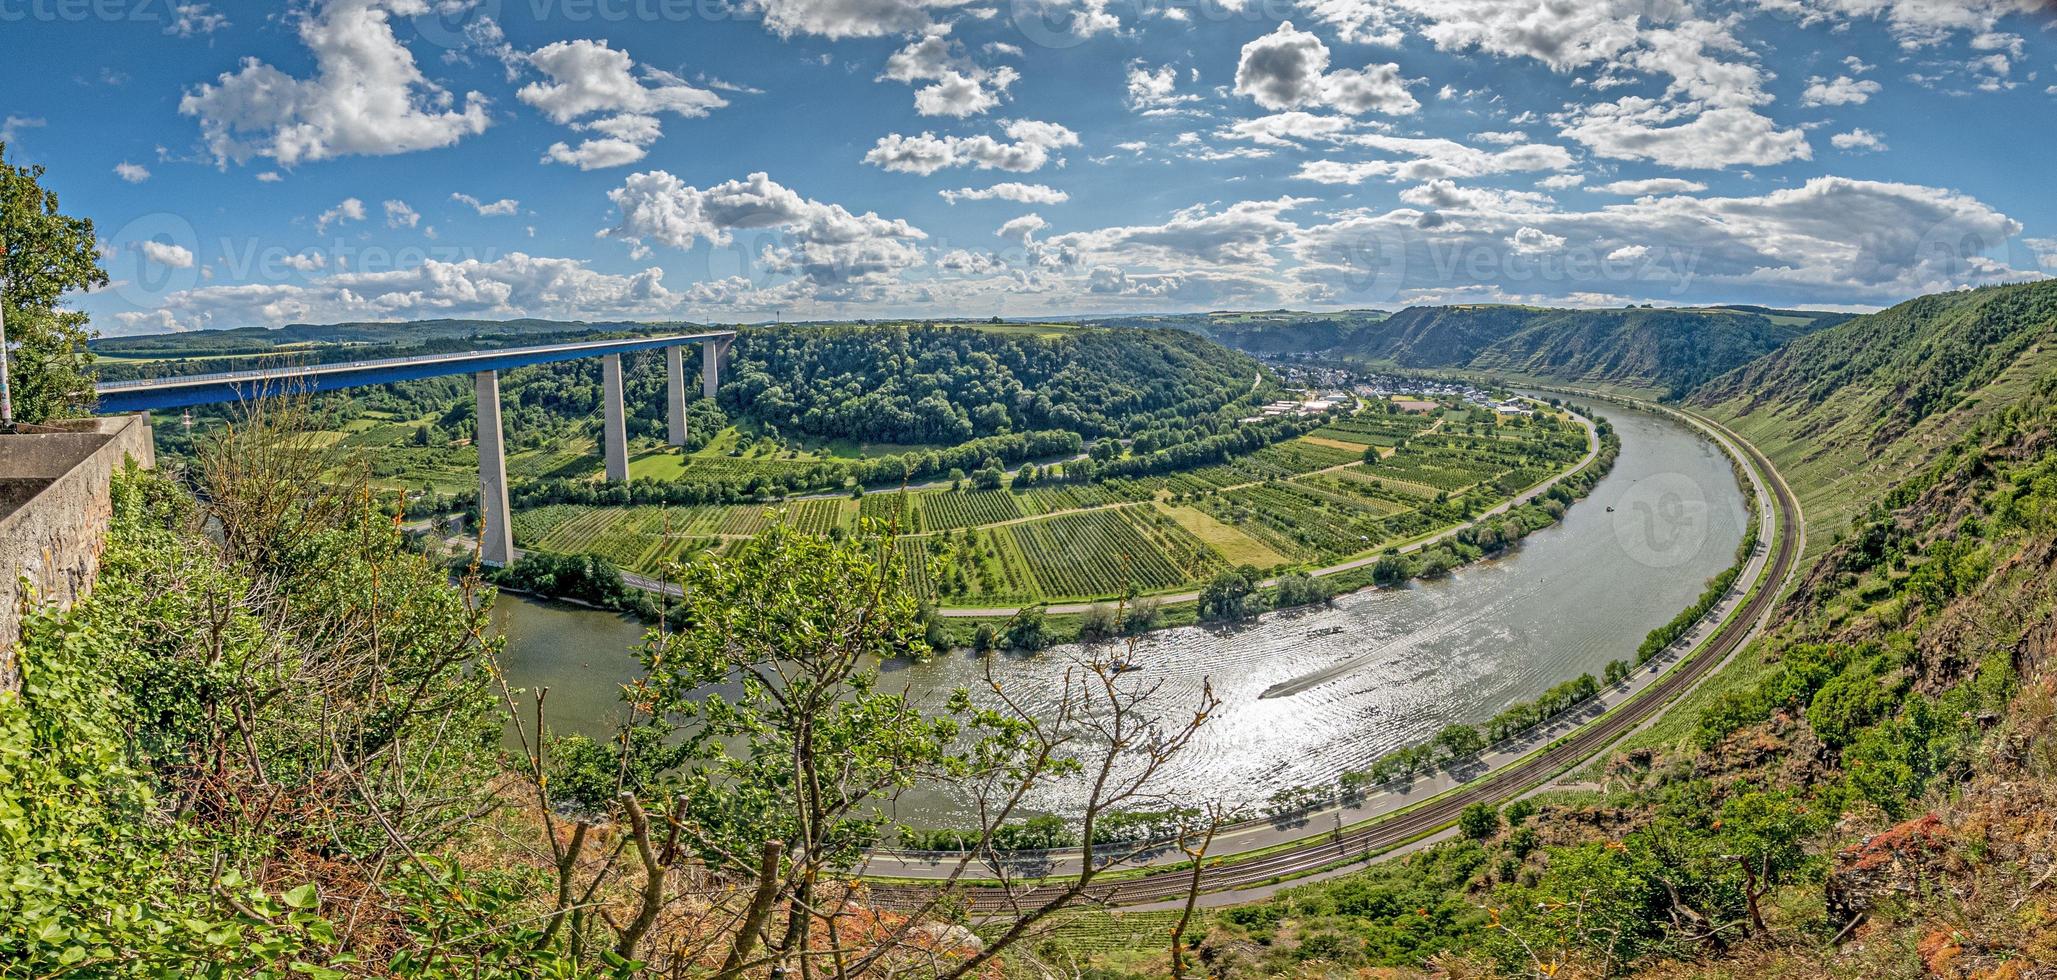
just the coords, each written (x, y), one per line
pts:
(54, 511)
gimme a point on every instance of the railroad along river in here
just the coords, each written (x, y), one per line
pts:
(1306, 695)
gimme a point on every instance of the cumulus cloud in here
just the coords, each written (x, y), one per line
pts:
(1154, 91)
(366, 96)
(1652, 186)
(1418, 159)
(1288, 69)
(826, 247)
(1008, 191)
(1842, 90)
(350, 209)
(1241, 234)
(134, 173)
(958, 87)
(1028, 147)
(1858, 139)
(501, 208)
(838, 19)
(594, 88)
(166, 254)
(1022, 228)
(1832, 239)
(400, 215)
(1684, 136)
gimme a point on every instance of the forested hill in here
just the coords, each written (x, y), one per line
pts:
(943, 385)
(1665, 350)
(1851, 409)
(1264, 331)
(1668, 349)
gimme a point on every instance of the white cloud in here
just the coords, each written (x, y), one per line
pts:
(1022, 228)
(501, 208)
(515, 284)
(1858, 139)
(194, 20)
(134, 173)
(1684, 136)
(1842, 90)
(1032, 143)
(166, 254)
(1647, 188)
(827, 248)
(1419, 159)
(597, 154)
(400, 215)
(838, 19)
(594, 88)
(1561, 182)
(367, 96)
(1241, 234)
(11, 127)
(1288, 69)
(1916, 23)
(958, 88)
(350, 209)
(1832, 240)
(1008, 191)
(1534, 241)
(1154, 91)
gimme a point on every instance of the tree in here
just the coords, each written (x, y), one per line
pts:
(1479, 821)
(1460, 741)
(48, 255)
(1231, 595)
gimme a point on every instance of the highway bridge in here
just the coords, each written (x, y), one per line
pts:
(496, 534)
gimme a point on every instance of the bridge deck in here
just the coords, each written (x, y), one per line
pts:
(156, 394)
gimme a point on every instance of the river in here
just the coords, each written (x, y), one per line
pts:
(1378, 670)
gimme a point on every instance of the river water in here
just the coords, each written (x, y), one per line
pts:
(1308, 695)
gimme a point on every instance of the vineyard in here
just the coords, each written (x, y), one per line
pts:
(953, 509)
(1304, 502)
(1095, 553)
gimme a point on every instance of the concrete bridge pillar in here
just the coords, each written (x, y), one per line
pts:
(496, 525)
(616, 433)
(675, 394)
(714, 355)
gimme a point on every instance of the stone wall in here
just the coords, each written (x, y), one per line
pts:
(54, 509)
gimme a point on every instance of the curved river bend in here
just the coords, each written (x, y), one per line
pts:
(1379, 670)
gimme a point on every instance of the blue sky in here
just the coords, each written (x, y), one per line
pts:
(696, 159)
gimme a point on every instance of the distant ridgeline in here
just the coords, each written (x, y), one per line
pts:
(1668, 350)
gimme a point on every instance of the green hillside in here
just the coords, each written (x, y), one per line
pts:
(1663, 351)
(1847, 411)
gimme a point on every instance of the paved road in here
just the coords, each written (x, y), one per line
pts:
(1317, 855)
(1058, 609)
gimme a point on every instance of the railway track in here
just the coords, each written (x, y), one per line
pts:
(1321, 852)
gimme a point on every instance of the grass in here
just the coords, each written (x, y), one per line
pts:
(1234, 546)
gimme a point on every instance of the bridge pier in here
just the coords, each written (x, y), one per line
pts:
(675, 395)
(496, 526)
(616, 433)
(714, 354)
